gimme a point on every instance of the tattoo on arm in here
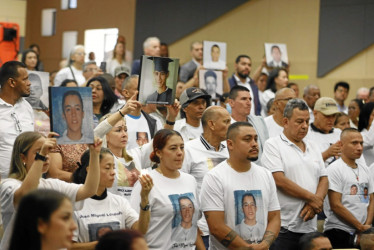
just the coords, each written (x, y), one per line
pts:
(269, 237)
(229, 238)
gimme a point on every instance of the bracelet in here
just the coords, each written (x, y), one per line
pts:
(170, 123)
(146, 208)
(40, 157)
(121, 113)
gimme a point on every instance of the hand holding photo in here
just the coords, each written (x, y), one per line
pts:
(276, 55)
(72, 114)
(214, 56)
(158, 80)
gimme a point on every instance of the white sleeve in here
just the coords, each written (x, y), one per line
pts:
(335, 182)
(159, 125)
(60, 77)
(186, 167)
(211, 197)
(135, 197)
(273, 202)
(102, 129)
(368, 136)
(130, 215)
(271, 158)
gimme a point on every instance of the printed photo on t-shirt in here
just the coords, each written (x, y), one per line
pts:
(141, 138)
(357, 192)
(249, 215)
(184, 224)
(97, 230)
(212, 162)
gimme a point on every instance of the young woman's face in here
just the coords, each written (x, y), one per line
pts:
(342, 122)
(353, 110)
(31, 60)
(171, 156)
(119, 49)
(281, 80)
(29, 158)
(97, 92)
(58, 231)
(107, 170)
(117, 137)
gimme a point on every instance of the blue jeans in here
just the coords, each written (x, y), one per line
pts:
(286, 240)
(206, 241)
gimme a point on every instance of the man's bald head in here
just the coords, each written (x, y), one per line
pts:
(211, 114)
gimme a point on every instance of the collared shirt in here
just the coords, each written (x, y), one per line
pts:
(248, 86)
(187, 131)
(343, 109)
(210, 147)
(305, 168)
(13, 121)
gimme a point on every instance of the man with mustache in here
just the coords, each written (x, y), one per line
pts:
(299, 173)
(224, 187)
(322, 129)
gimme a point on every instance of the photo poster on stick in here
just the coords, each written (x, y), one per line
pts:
(158, 80)
(214, 56)
(212, 82)
(72, 114)
(276, 55)
(38, 97)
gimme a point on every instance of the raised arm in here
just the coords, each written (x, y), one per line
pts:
(91, 184)
(173, 111)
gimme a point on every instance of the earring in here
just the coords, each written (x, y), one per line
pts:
(24, 164)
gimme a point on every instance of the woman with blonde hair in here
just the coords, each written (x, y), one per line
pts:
(118, 59)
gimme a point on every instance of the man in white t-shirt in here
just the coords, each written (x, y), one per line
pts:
(204, 153)
(350, 206)
(138, 122)
(274, 122)
(240, 102)
(225, 192)
(322, 129)
(299, 173)
(193, 102)
(310, 96)
(16, 113)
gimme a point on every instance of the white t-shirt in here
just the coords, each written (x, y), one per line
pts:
(65, 73)
(126, 175)
(187, 131)
(324, 141)
(303, 168)
(11, 116)
(368, 136)
(8, 212)
(223, 190)
(165, 211)
(264, 99)
(273, 128)
(112, 64)
(134, 126)
(343, 179)
(100, 216)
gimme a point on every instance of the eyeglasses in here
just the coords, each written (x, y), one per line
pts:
(285, 99)
(18, 124)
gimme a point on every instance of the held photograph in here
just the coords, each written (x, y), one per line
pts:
(71, 114)
(38, 98)
(212, 82)
(214, 55)
(158, 80)
(276, 55)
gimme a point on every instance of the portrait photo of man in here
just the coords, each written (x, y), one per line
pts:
(70, 120)
(211, 81)
(36, 92)
(186, 230)
(141, 138)
(250, 229)
(214, 55)
(158, 80)
(276, 55)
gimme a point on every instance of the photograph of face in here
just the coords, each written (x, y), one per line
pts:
(141, 138)
(158, 80)
(70, 109)
(38, 97)
(276, 55)
(184, 225)
(212, 82)
(250, 222)
(214, 55)
(98, 230)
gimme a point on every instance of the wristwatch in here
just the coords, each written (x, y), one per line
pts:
(40, 157)
(146, 208)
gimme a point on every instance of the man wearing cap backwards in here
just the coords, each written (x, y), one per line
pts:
(120, 73)
(193, 101)
(322, 129)
(299, 173)
(348, 213)
(163, 94)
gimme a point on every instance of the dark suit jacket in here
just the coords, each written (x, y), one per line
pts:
(187, 71)
(254, 95)
(135, 68)
(163, 97)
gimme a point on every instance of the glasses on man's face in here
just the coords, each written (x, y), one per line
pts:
(18, 124)
(285, 99)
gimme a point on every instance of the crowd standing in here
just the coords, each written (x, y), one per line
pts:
(254, 168)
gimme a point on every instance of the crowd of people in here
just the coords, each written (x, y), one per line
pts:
(258, 167)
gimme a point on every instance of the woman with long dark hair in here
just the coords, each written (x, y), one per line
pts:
(31, 59)
(366, 127)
